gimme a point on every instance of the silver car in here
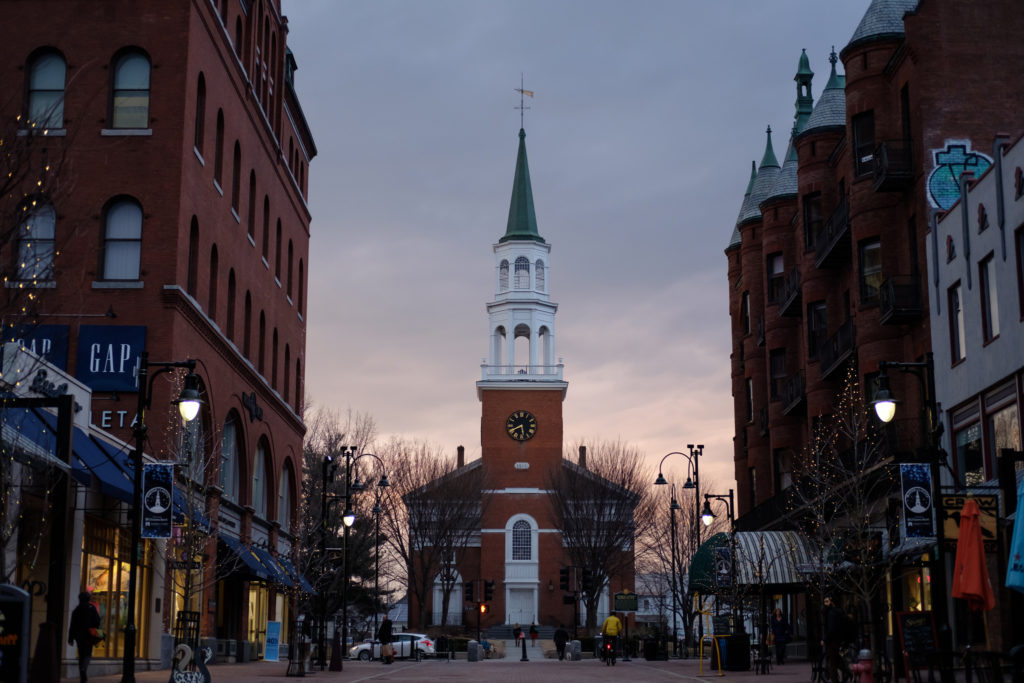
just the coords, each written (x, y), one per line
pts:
(407, 646)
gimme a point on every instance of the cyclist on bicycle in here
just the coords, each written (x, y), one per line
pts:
(610, 631)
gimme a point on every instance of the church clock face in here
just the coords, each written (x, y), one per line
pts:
(521, 425)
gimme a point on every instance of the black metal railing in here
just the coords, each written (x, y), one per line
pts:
(900, 300)
(836, 229)
(789, 294)
(792, 392)
(834, 351)
(893, 166)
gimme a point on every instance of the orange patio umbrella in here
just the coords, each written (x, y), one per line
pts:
(970, 574)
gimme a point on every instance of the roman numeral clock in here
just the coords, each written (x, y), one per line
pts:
(521, 425)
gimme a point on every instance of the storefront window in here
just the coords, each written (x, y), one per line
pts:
(1004, 429)
(106, 575)
(969, 458)
(259, 599)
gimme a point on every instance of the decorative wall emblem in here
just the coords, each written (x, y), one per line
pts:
(950, 163)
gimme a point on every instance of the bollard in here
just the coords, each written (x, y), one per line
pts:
(525, 658)
(865, 667)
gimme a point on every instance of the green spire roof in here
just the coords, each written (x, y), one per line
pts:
(804, 67)
(522, 219)
(769, 153)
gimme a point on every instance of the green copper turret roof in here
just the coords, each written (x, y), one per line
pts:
(522, 219)
(804, 99)
(769, 153)
(735, 240)
(804, 67)
(767, 172)
(830, 111)
(883, 19)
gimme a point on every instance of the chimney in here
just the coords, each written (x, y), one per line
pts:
(583, 457)
(461, 458)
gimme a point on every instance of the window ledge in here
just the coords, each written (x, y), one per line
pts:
(252, 240)
(117, 284)
(237, 219)
(44, 133)
(30, 284)
(265, 264)
(199, 156)
(217, 187)
(277, 282)
(126, 132)
(989, 340)
(300, 316)
(289, 300)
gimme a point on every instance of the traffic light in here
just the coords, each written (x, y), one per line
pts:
(563, 578)
(484, 608)
(469, 591)
(488, 591)
(587, 581)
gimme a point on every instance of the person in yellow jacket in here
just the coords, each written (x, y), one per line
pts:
(610, 631)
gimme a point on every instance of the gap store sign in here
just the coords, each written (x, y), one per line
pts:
(108, 356)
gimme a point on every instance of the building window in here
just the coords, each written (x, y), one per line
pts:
(273, 360)
(259, 477)
(540, 275)
(970, 459)
(812, 219)
(122, 240)
(284, 501)
(232, 286)
(863, 125)
(783, 470)
(298, 386)
(250, 219)
(870, 270)
(302, 286)
(957, 340)
(503, 276)
(266, 229)
(522, 273)
(752, 482)
(262, 341)
(36, 240)
(192, 276)
(46, 77)
(1004, 429)
(776, 276)
(277, 253)
(131, 91)
(745, 312)
(286, 375)
(750, 400)
(522, 540)
(777, 364)
(218, 152)
(989, 299)
(229, 474)
(200, 124)
(817, 327)
(291, 255)
(247, 326)
(211, 305)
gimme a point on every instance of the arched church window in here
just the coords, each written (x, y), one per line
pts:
(522, 273)
(540, 275)
(521, 541)
(503, 276)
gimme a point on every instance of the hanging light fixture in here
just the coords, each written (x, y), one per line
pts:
(885, 404)
(189, 401)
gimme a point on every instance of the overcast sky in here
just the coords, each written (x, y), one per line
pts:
(646, 117)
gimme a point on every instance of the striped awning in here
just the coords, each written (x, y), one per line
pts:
(773, 558)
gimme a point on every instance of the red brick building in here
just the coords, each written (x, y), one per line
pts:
(827, 263)
(183, 231)
(520, 546)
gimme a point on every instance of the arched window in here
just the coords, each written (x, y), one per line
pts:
(273, 360)
(247, 325)
(287, 368)
(539, 275)
(130, 102)
(259, 479)
(238, 37)
(288, 288)
(250, 220)
(193, 258)
(231, 304)
(261, 358)
(200, 125)
(214, 276)
(122, 240)
(522, 273)
(302, 283)
(277, 254)
(46, 77)
(229, 473)
(224, 12)
(236, 177)
(36, 239)
(298, 386)
(266, 229)
(522, 540)
(503, 276)
(284, 501)
(218, 152)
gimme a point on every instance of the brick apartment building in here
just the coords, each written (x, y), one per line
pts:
(182, 230)
(827, 265)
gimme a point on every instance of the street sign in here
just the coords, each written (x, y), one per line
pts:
(625, 602)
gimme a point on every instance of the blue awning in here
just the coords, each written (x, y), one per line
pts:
(303, 582)
(277, 572)
(182, 511)
(241, 559)
(25, 435)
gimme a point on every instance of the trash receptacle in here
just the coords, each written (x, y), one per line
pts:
(721, 650)
(650, 649)
(738, 657)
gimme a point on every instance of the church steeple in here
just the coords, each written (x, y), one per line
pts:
(804, 99)
(522, 219)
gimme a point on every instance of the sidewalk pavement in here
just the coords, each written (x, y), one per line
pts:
(537, 670)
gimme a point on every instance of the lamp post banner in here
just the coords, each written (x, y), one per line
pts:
(157, 497)
(723, 566)
(916, 479)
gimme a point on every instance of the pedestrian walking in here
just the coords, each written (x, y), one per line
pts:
(561, 638)
(387, 651)
(780, 634)
(85, 632)
(533, 634)
(517, 633)
(833, 622)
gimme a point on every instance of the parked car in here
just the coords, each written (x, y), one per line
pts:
(407, 645)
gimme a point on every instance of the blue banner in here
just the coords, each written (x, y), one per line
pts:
(918, 506)
(49, 342)
(108, 356)
(157, 499)
(270, 653)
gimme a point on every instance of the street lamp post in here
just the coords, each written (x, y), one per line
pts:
(376, 558)
(708, 516)
(188, 405)
(692, 461)
(931, 433)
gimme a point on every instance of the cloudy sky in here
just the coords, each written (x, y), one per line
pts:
(646, 117)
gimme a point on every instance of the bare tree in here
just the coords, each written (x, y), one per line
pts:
(602, 509)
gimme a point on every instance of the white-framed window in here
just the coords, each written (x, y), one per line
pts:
(130, 98)
(259, 477)
(522, 540)
(46, 78)
(36, 236)
(540, 275)
(957, 335)
(989, 299)
(122, 242)
(522, 275)
(229, 458)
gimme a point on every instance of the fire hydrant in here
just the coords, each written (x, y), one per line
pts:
(865, 667)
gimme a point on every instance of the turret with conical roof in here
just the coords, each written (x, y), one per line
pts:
(804, 99)
(767, 172)
(882, 20)
(522, 219)
(830, 112)
(735, 240)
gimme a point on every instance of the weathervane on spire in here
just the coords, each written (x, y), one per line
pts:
(522, 92)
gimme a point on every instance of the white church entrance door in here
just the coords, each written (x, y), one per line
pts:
(520, 606)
